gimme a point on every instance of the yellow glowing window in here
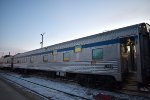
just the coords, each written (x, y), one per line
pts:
(78, 48)
(66, 56)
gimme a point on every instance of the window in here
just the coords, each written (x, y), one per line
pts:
(45, 58)
(97, 54)
(31, 59)
(54, 52)
(78, 48)
(66, 56)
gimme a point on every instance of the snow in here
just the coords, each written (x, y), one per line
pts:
(67, 87)
(53, 94)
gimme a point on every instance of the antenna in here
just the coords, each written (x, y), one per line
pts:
(42, 40)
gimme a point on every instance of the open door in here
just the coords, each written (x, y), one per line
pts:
(128, 56)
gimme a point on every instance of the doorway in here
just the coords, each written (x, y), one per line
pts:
(128, 55)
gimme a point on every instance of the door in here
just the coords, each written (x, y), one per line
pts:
(145, 57)
(128, 55)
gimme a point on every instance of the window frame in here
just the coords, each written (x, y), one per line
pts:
(100, 55)
(76, 48)
(45, 58)
(55, 52)
(64, 56)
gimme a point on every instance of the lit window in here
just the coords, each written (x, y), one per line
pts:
(78, 48)
(97, 54)
(66, 56)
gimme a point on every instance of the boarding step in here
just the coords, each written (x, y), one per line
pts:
(130, 87)
(130, 82)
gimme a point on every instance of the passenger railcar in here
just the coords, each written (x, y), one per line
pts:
(105, 56)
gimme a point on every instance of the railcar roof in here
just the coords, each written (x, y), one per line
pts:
(84, 38)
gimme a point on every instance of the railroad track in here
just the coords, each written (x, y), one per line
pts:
(49, 88)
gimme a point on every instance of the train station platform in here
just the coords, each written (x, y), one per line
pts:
(9, 91)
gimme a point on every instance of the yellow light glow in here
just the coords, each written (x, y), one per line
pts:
(128, 48)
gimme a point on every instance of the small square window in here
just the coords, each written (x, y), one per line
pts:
(66, 56)
(54, 52)
(78, 48)
(45, 58)
(97, 54)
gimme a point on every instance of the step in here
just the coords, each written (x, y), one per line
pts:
(130, 80)
(128, 87)
(131, 84)
(131, 77)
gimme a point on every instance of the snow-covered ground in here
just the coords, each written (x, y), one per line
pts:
(67, 87)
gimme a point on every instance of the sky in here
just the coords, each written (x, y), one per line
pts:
(22, 21)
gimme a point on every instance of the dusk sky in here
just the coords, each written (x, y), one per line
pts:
(22, 21)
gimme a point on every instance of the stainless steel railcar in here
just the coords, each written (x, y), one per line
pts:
(112, 54)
